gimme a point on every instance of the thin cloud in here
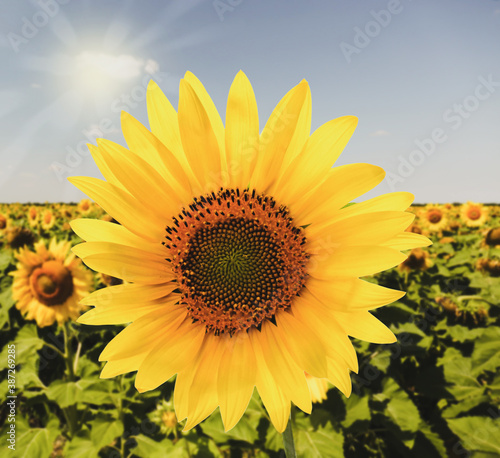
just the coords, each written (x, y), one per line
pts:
(380, 133)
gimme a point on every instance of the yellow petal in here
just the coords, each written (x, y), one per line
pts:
(85, 249)
(276, 137)
(164, 125)
(129, 294)
(364, 326)
(122, 366)
(118, 313)
(210, 109)
(345, 293)
(275, 402)
(143, 334)
(338, 374)
(341, 186)
(107, 173)
(140, 179)
(236, 379)
(356, 261)
(122, 207)
(320, 152)
(316, 316)
(199, 141)
(305, 347)
(365, 229)
(170, 356)
(283, 368)
(129, 265)
(203, 399)
(242, 131)
(407, 241)
(143, 143)
(301, 134)
(94, 230)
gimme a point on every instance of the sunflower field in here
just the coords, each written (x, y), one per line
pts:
(433, 393)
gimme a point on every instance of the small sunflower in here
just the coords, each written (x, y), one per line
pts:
(85, 207)
(418, 259)
(33, 216)
(48, 219)
(433, 218)
(49, 283)
(242, 257)
(318, 388)
(4, 222)
(474, 215)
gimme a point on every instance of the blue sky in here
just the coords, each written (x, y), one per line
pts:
(423, 77)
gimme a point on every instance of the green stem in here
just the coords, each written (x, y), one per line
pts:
(288, 440)
(70, 412)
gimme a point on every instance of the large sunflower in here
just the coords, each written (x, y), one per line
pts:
(243, 262)
(49, 283)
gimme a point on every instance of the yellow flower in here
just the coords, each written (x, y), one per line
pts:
(33, 216)
(318, 388)
(418, 259)
(85, 206)
(433, 218)
(4, 222)
(474, 215)
(49, 283)
(48, 220)
(221, 229)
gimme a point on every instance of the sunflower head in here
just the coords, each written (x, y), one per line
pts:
(240, 258)
(433, 218)
(493, 237)
(473, 214)
(18, 237)
(85, 207)
(33, 216)
(4, 220)
(48, 219)
(418, 259)
(49, 283)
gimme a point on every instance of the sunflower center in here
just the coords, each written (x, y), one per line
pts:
(3, 222)
(474, 214)
(238, 257)
(435, 217)
(52, 283)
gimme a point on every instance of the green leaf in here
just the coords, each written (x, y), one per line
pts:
(400, 408)
(486, 355)
(477, 434)
(104, 430)
(458, 373)
(26, 342)
(356, 409)
(86, 391)
(81, 446)
(245, 429)
(6, 259)
(149, 448)
(324, 442)
(462, 334)
(33, 442)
